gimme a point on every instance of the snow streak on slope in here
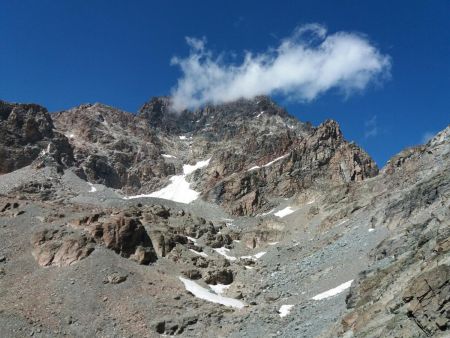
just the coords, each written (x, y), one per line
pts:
(200, 253)
(268, 164)
(223, 251)
(254, 257)
(179, 189)
(93, 188)
(285, 310)
(333, 292)
(284, 212)
(202, 293)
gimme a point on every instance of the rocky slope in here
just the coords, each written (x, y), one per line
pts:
(408, 279)
(289, 230)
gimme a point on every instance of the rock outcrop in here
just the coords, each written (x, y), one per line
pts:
(27, 134)
(60, 247)
(122, 233)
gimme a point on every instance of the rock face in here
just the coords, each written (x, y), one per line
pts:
(427, 299)
(406, 290)
(318, 158)
(114, 148)
(26, 133)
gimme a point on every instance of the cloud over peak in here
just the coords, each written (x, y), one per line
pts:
(303, 66)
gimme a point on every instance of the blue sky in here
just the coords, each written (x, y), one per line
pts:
(64, 53)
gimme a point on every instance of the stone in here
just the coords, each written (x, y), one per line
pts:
(116, 278)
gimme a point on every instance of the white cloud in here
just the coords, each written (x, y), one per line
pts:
(371, 127)
(303, 66)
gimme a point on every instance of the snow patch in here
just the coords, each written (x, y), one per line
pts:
(371, 229)
(192, 239)
(219, 288)
(255, 256)
(202, 293)
(333, 292)
(284, 212)
(267, 213)
(259, 254)
(203, 254)
(168, 156)
(254, 168)
(179, 189)
(46, 150)
(189, 169)
(285, 310)
(182, 137)
(260, 114)
(275, 160)
(223, 251)
(268, 164)
(93, 188)
(273, 243)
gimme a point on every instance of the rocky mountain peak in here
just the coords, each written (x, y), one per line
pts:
(160, 116)
(329, 129)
